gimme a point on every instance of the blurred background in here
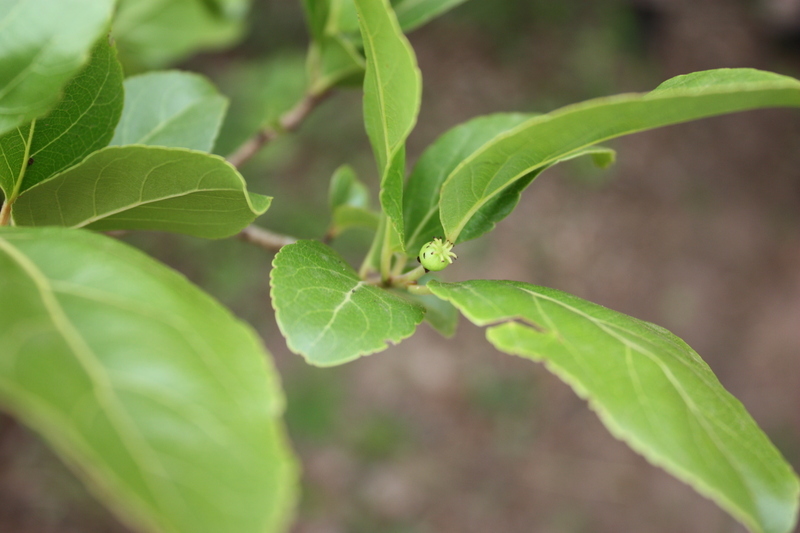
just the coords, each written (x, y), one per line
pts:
(696, 228)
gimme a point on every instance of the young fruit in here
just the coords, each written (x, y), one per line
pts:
(436, 255)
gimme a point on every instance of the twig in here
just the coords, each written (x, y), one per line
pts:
(290, 121)
(272, 242)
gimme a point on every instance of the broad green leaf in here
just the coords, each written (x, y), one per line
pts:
(170, 108)
(347, 189)
(327, 313)
(421, 197)
(82, 122)
(260, 93)
(392, 92)
(43, 44)
(545, 139)
(163, 403)
(648, 387)
(144, 188)
(153, 33)
(414, 13)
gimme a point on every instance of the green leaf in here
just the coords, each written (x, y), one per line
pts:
(163, 403)
(82, 122)
(43, 44)
(349, 202)
(440, 314)
(327, 313)
(414, 13)
(648, 387)
(421, 198)
(347, 189)
(153, 33)
(392, 92)
(316, 16)
(347, 217)
(545, 139)
(144, 188)
(333, 60)
(504, 203)
(171, 108)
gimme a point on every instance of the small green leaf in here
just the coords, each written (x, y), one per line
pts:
(43, 45)
(392, 93)
(82, 122)
(347, 189)
(165, 404)
(170, 108)
(316, 16)
(144, 188)
(648, 387)
(153, 33)
(545, 139)
(421, 198)
(440, 314)
(414, 13)
(347, 217)
(327, 313)
(443, 157)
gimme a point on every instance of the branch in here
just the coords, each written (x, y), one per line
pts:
(272, 242)
(288, 122)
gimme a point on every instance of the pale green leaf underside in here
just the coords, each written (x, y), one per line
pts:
(144, 188)
(649, 388)
(156, 395)
(327, 313)
(42, 45)
(392, 93)
(83, 121)
(170, 108)
(547, 138)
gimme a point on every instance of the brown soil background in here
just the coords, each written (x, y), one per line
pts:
(696, 228)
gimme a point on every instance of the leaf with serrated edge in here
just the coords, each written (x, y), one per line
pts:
(82, 122)
(392, 93)
(145, 188)
(171, 108)
(44, 44)
(648, 387)
(327, 313)
(165, 404)
(547, 138)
